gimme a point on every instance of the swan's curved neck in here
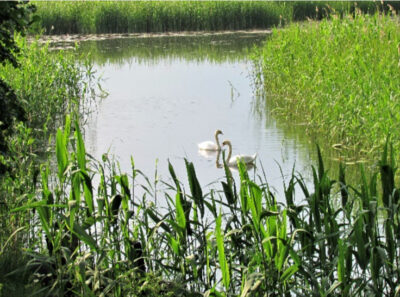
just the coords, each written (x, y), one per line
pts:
(217, 161)
(229, 152)
(217, 141)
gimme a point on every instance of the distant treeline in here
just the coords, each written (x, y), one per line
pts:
(84, 17)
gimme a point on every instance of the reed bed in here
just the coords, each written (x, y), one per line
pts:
(337, 77)
(156, 16)
(47, 85)
(80, 17)
(103, 239)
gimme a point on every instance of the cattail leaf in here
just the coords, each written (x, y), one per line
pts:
(75, 187)
(211, 207)
(283, 245)
(174, 244)
(174, 178)
(221, 253)
(157, 220)
(341, 261)
(195, 187)
(288, 273)
(228, 193)
(61, 153)
(321, 169)
(343, 186)
(115, 205)
(390, 241)
(180, 214)
(289, 192)
(268, 213)
(88, 191)
(360, 243)
(332, 288)
(295, 257)
(31, 205)
(67, 128)
(80, 147)
(82, 235)
(300, 181)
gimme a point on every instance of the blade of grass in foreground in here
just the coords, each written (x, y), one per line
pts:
(221, 253)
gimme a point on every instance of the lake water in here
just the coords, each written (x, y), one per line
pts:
(166, 94)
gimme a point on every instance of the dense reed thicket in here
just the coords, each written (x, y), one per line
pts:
(337, 76)
(47, 85)
(101, 238)
(155, 16)
(72, 17)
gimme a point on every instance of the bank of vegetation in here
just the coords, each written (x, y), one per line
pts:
(44, 86)
(83, 17)
(338, 77)
(74, 237)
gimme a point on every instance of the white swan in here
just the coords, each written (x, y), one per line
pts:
(209, 145)
(232, 161)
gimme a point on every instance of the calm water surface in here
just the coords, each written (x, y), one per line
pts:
(167, 94)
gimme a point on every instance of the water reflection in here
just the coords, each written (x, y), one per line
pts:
(210, 154)
(215, 48)
(167, 95)
(217, 156)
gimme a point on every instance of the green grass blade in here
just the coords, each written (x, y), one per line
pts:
(221, 253)
(180, 214)
(195, 187)
(80, 147)
(61, 153)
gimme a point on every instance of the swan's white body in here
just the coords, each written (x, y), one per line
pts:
(209, 145)
(232, 160)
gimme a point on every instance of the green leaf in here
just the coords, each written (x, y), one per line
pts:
(80, 146)
(61, 153)
(174, 244)
(180, 214)
(88, 191)
(195, 187)
(82, 235)
(332, 288)
(288, 273)
(341, 260)
(221, 253)
(115, 205)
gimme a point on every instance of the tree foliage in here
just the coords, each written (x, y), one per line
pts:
(14, 17)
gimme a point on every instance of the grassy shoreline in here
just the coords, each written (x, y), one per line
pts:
(337, 77)
(156, 16)
(235, 240)
(79, 17)
(47, 86)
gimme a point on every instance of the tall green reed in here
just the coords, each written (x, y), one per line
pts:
(336, 77)
(157, 16)
(96, 237)
(47, 85)
(167, 16)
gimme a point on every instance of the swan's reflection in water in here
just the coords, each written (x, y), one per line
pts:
(209, 155)
(235, 168)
